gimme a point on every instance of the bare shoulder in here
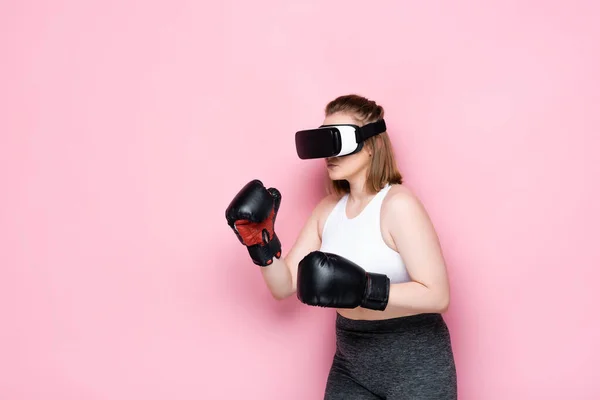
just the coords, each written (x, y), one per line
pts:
(400, 197)
(402, 203)
(325, 205)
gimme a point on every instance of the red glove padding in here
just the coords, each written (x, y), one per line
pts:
(253, 233)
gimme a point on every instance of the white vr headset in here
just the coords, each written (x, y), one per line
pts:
(335, 140)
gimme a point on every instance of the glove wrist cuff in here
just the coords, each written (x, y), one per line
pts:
(377, 292)
(262, 255)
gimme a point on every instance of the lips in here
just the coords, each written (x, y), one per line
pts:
(331, 163)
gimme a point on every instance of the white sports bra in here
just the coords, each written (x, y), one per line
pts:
(359, 239)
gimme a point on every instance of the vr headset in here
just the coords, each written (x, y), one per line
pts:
(335, 140)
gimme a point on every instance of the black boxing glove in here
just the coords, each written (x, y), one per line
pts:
(251, 214)
(330, 280)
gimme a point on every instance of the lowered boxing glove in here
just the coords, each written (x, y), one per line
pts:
(330, 280)
(251, 214)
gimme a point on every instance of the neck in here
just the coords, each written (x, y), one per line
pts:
(358, 189)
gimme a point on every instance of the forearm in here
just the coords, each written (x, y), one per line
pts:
(278, 279)
(419, 298)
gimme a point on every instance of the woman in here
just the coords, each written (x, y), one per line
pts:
(369, 250)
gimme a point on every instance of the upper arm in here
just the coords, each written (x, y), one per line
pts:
(416, 240)
(309, 238)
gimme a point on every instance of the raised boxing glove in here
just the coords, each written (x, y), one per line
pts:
(330, 280)
(251, 214)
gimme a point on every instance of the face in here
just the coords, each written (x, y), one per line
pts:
(346, 167)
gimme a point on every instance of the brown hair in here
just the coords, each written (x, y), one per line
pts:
(383, 168)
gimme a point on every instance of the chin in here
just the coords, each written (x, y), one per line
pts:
(335, 176)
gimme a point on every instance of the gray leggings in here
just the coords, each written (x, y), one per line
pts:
(399, 358)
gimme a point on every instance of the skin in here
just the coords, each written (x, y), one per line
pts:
(405, 227)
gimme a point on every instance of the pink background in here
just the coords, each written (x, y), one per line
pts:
(127, 127)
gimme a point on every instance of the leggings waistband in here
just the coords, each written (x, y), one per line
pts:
(397, 324)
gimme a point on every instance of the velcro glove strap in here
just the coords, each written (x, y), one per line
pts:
(377, 292)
